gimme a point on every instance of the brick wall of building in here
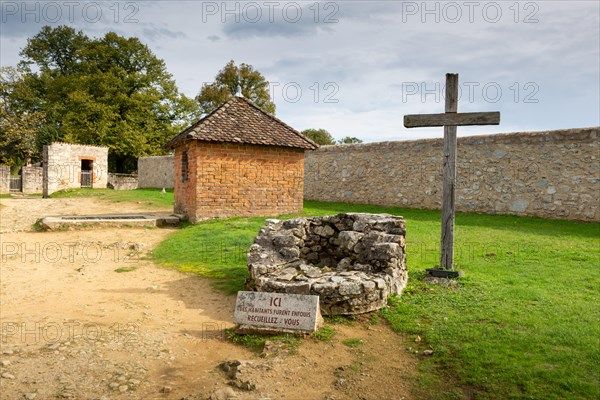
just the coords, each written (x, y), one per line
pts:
(226, 179)
(185, 190)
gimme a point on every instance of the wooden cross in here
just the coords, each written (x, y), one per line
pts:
(450, 120)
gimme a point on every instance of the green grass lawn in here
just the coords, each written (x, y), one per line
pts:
(524, 322)
(150, 197)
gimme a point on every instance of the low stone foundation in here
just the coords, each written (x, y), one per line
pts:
(122, 181)
(117, 220)
(352, 261)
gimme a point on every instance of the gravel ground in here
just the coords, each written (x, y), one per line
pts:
(74, 327)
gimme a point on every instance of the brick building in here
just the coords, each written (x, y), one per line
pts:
(239, 161)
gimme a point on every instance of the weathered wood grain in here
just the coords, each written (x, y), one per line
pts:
(452, 119)
(449, 174)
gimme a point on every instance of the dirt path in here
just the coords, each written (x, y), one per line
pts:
(74, 327)
(18, 214)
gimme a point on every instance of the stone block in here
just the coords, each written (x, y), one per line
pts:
(352, 272)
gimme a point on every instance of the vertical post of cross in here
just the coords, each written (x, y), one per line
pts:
(450, 119)
(449, 177)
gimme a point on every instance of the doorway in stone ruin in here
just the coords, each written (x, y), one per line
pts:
(86, 173)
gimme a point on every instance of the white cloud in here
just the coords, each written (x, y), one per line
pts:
(370, 51)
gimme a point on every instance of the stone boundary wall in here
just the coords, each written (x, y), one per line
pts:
(4, 179)
(549, 174)
(122, 181)
(156, 172)
(32, 179)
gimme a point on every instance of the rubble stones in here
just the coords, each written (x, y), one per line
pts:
(353, 261)
(237, 372)
(440, 281)
(223, 394)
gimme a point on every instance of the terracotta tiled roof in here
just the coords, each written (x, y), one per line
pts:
(240, 121)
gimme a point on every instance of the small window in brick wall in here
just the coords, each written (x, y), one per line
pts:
(184, 165)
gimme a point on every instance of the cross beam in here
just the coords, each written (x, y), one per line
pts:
(450, 120)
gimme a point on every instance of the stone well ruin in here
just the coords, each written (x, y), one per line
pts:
(353, 261)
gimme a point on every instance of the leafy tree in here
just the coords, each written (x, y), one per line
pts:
(349, 139)
(319, 136)
(18, 124)
(57, 50)
(252, 83)
(110, 91)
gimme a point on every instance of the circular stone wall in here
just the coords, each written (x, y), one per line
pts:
(353, 261)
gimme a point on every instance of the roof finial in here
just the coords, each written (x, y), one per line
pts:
(238, 91)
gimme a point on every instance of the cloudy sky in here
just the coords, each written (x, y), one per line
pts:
(356, 68)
